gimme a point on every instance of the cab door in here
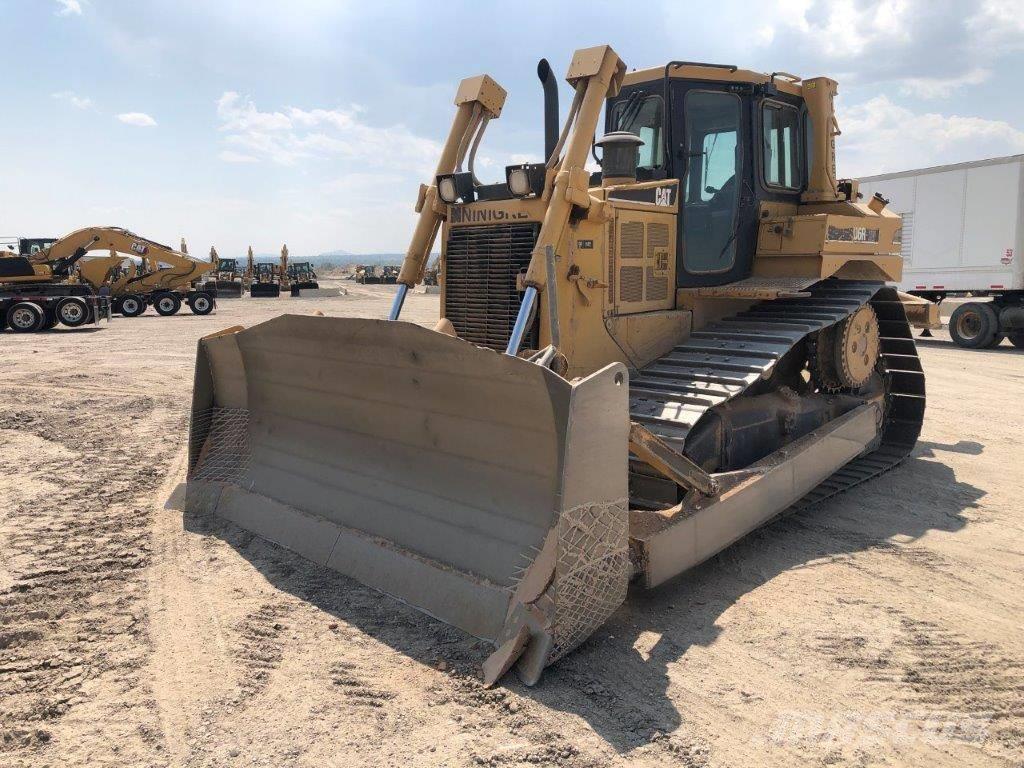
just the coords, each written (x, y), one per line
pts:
(712, 159)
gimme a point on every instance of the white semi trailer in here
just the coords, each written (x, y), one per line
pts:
(963, 235)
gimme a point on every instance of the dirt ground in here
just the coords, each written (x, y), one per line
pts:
(881, 628)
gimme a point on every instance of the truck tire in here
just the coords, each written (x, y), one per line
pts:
(973, 325)
(201, 303)
(132, 306)
(49, 320)
(73, 312)
(25, 317)
(167, 304)
(1017, 339)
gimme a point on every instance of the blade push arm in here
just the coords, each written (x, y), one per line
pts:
(596, 74)
(478, 99)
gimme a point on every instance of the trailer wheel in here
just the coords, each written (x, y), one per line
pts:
(996, 340)
(1017, 339)
(973, 325)
(50, 320)
(132, 306)
(201, 303)
(167, 304)
(73, 311)
(25, 317)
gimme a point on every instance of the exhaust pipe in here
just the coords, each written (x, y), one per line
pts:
(547, 79)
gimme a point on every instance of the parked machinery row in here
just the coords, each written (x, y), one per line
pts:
(377, 275)
(36, 294)
(49, 281)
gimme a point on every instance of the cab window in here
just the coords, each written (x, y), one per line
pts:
(780, 145)
(713, 162)
(642, 115)
(719, 162)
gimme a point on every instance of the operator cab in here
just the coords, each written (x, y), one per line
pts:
(733, 140)
(29, 246)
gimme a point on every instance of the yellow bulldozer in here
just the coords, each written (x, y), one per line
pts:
(633, 367)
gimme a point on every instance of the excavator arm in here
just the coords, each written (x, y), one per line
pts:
(62, 256)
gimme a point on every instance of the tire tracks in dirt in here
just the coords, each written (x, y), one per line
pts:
(73, 633)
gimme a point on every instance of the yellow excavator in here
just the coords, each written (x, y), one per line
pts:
(633, 367)
(138, 272)
(38, 289)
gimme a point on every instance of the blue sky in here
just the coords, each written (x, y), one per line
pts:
(312, 122)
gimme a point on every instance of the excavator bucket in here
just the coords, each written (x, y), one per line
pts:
(482, 489)
(265, 290)
(229, 289)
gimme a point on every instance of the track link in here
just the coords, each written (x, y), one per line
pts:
(722, 360)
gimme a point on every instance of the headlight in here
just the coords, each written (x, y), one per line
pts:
(524, 180)
(453, 187)
(446, 189)
(519, 182)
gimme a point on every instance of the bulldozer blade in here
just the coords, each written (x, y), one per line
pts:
(482, 489)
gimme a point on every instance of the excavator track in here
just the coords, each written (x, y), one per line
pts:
(723, 359)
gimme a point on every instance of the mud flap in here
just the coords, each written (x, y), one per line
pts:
(482, 489)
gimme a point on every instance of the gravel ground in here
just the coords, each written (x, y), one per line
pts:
(882, 628)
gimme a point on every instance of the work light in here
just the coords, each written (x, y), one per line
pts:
(452, 187)
(526, 179)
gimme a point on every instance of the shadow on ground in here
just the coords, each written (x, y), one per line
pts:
(619, 690)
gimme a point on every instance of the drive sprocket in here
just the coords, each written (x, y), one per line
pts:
(857, 341)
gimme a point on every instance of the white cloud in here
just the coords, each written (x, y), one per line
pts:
(846, 29)
(228, 156)
(880, 136)
(764, 35)
(999, 24)
(291, 135)
(70, 97)
(942, 87)
(69, 8)
(140, 119)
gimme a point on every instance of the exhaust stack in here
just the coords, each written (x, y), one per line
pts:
(547, 79)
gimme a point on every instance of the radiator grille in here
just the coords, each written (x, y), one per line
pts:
(480, 296)
(631, 284)
(657, 238)
(657, 286)
(611, 262)
(631, 246)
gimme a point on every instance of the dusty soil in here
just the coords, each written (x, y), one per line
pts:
(883, 627)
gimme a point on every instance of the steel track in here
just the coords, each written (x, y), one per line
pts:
(722, 360)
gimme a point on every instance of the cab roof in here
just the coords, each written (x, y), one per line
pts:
(783, 81)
